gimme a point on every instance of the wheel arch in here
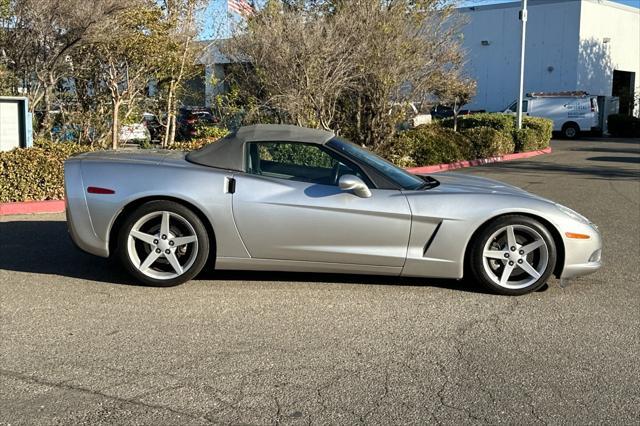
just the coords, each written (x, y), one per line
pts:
(570, 123)
(132, 205)
(557, 239)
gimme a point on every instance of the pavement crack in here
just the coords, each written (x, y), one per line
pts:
(278, 411)
(62, 385)
(459, 336)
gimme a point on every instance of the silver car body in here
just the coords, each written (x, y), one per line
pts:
(266, 223)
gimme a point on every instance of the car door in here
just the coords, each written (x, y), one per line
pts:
(288, 206)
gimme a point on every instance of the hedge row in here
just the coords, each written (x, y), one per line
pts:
(535, 132)
(478, 136)
(36, 173)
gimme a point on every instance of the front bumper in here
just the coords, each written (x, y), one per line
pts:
(582, 256)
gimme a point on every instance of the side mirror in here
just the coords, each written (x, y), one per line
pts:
(354, 184)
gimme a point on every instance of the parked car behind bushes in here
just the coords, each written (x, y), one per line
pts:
(191, 119)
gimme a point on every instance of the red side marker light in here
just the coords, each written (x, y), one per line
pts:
(98, 190)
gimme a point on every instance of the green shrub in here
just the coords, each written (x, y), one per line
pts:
(28, 174)
(295, 154)
(624, 126)
(526, 140)
(489, 142)
(398, 150)
(211, 132)
(536, 136)
(501, 122)
(542, 128)
(425, 145)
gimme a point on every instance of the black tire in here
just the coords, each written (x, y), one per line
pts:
(475, 261)
(570, 131)
(203, 244)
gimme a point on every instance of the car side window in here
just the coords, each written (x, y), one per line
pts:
(297, 161)
(514, 106)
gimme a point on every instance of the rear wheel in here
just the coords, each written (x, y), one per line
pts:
(513, 255)
(570, 130)
(163, 243)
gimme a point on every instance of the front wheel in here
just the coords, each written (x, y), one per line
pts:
(163, 243)
(513, 255)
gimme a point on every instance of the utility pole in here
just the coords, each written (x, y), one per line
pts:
(523, 19)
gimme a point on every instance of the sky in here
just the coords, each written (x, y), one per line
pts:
(217, 22)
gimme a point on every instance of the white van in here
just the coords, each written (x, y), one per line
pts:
(571, 112)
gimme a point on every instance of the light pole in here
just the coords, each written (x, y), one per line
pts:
(523, 18)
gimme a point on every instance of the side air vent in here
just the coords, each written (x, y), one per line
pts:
(433, 236)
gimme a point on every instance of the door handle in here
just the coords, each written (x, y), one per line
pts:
(230, 185)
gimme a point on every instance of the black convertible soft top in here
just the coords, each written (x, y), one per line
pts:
(228, 153)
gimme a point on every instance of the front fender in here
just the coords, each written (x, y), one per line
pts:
(459, 217)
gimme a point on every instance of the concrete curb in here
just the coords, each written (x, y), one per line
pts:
(57, 206)
(470, 163)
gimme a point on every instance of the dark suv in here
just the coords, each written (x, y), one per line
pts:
(189, 119)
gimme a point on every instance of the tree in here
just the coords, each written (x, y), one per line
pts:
(342, 64)
(457, 93)
(304, 61)
(39, 38)
(126, 64)
(179, 56)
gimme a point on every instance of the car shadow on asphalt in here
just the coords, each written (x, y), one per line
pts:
(326, 278)
(44, 247)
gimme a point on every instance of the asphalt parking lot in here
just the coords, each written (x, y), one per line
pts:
(79, 345)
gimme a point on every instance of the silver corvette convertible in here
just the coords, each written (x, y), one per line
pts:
(286, 198)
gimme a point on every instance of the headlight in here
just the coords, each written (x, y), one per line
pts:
(573, 214)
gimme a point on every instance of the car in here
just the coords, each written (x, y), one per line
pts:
(441, 112)
(153, 125)
(190, 119)
(571, 112)
(412, 114)
(286, 198)
(132, 133)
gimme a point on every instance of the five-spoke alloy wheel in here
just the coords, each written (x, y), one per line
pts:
(163, 243)
(513, 255)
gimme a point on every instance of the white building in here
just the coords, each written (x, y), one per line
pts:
(571, 45)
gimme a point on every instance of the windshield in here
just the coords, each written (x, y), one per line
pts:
(403, 178)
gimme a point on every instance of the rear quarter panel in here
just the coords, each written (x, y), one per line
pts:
(199, 186)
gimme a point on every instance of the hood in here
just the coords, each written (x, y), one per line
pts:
(462, 183)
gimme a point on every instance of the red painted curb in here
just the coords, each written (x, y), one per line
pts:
(470, 163)
(30, 207)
